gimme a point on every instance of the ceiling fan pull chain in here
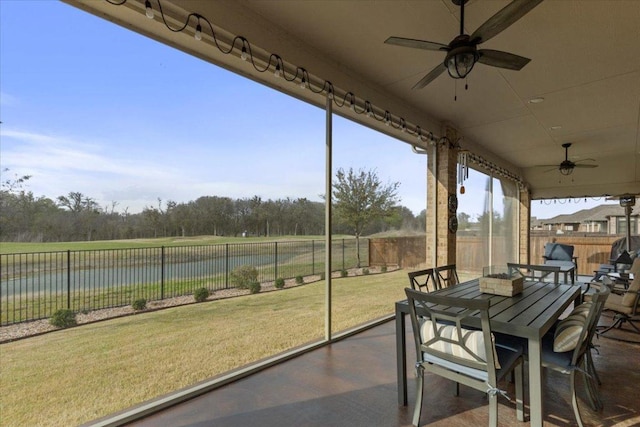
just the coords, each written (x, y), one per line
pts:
(455, 90)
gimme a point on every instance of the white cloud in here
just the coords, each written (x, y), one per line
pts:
(7, 100)
(59, 165)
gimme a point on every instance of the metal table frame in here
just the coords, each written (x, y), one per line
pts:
(568, 270)
(527, 315)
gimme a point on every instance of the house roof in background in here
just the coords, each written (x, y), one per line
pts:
(598, 213)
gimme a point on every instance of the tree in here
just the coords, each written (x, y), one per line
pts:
(463, 220)
(84, 212)
(13, 185)
(360, 198)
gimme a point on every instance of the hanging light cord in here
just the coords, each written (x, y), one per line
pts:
(290, 73)
(302, 76)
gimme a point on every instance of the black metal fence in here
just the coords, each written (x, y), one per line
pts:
(35, 285)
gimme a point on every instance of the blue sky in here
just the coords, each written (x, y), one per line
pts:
(91, 107)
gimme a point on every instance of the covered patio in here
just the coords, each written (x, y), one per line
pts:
(582, 87)
(352, 383)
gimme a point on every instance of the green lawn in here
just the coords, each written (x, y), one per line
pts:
(72, 376)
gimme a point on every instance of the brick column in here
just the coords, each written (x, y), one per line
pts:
(441, 183)
(524, 225)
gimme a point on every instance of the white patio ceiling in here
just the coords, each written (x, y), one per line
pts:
(585, 63)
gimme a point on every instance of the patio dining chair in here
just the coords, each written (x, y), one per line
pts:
(447, 347)
(538, 273)
(558, 254)
(447, 276)
(624, 305)
(566, 348)
(423, 280)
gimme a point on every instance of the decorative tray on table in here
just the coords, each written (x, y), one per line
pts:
(498, 281)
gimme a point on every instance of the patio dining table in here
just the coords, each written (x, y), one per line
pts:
(528, 315)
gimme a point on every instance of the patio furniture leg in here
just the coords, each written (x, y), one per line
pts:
(419, 389)
(619, 320)
(574, 398)
(401, 361)
(591, 367)
(592, 381)
(519, 380)
(493, 410)
(536, 408)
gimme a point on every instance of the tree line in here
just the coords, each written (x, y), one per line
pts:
(78, 217)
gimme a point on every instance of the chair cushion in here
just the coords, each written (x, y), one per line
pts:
(552, 358)
(507, 356)
(635, 267)
(582, 309)
(558, 251)
(630, 297)
(614, 302)
(473, 339)
(568, 332)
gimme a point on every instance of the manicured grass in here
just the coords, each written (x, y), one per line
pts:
(76, 375)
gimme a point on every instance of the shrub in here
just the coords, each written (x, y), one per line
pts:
(139, 304)
(344, 273)
(255, 287)
(242, 277)
(365, 271)
(63, 318)
(201, 294)
(299, 280)
(279, 283)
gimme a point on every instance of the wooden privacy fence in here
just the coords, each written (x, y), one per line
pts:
(472, 251)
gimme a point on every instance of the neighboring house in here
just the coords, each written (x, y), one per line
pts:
(537, 224)
(609, 219)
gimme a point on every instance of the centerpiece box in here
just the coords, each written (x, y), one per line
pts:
(498, 281)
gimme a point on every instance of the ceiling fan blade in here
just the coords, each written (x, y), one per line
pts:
(581, 165)
(497, 58)
(503, 19)
(417, 44)
(430, 77)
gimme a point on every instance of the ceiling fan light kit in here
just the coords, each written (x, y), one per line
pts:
(460, 60)
(566, 168)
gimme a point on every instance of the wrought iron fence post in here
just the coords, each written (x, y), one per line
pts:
(226, 266)
(275, 270)
(69, 279)
(162, 273)
(313, 257)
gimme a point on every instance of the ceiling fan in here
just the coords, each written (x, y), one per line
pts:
(566, 166)
(463, 52)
